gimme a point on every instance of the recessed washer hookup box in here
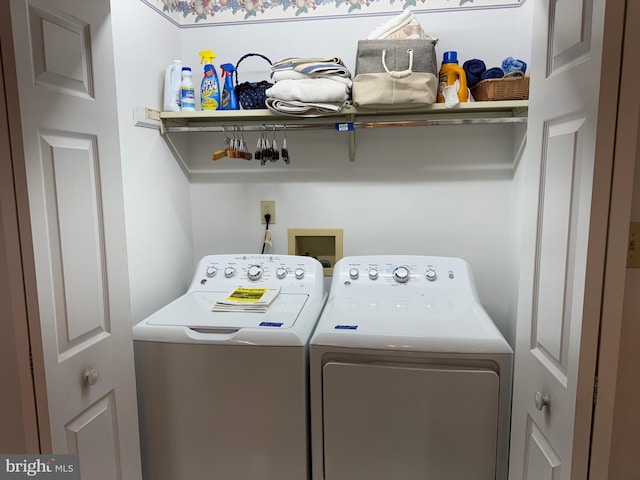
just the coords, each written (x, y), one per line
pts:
(324, 244)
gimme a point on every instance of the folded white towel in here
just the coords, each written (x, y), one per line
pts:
(391, 26)
(313, 66)
(292, 61)
(309, 90)
(280, 75)
(304, 109)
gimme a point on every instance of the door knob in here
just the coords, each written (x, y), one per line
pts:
(541, 400)
(91, 376)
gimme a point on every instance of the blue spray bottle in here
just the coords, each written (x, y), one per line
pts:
(210, 87)
(228, 98)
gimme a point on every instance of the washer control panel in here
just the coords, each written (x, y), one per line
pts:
(222, 272)
(402, 271)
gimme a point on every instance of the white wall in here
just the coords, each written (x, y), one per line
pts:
(158, 210)
(430, 191)
(401, 195)
(490, 35)
(436, 190)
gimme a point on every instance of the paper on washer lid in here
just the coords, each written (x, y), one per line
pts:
(247, 299)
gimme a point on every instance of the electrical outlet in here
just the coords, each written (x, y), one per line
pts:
(268, 206)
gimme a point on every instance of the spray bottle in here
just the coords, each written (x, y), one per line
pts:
(210, 88)
(228, 98)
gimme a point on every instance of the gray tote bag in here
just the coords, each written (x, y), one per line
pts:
(395, 73)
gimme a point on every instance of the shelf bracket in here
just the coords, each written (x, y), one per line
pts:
(352, 138)
(348, 127)
(146, 117)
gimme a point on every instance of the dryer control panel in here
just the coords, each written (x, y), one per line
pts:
(293, 274)
(403, 271)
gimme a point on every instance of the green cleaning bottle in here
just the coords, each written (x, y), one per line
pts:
(210, 87)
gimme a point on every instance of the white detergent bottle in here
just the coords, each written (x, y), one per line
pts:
(187, 94)
(172, 79)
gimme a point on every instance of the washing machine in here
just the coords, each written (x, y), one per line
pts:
(410, 378)
(224, 394)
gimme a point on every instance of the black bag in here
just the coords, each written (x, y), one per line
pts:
(395, 73)
(251, 95)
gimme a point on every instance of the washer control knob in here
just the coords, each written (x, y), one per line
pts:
(431, 275)
(254, 272)
(211, 271)
(299, 273)
(373, 273)
(229, 272)
(401, 274)
(281, 273)
(354, 273)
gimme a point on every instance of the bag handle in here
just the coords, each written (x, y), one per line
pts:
(235, 74)
(398, 73)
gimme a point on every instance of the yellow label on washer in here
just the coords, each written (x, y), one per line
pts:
(248, 295)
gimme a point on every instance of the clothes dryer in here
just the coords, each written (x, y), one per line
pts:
(410, 378)
(225, 394)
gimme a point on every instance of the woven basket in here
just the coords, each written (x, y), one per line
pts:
(508, 87)
(251, 95)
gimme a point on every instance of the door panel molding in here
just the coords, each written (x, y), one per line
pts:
(540, 456)
(553, 282)
(92, 436)
(70, 168)
(569, 30)
(61, 51)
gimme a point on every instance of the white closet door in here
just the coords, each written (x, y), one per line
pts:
(65, 68)
(567, 184)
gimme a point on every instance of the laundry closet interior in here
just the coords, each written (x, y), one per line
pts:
(444, 190)
(476, 182)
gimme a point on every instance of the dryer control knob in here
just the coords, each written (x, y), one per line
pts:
(211, 271)
(229, 272)
(299, 273)
(431, 275)
(373, 273)
(254, 272)
(354, 273)
(401, 274)
(281, 273)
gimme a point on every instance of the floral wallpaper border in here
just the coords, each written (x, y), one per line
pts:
(192, 13)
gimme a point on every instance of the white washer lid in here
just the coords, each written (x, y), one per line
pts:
(411, 323)
(194, 310)
(289, 321)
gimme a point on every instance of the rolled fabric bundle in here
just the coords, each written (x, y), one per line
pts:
(474, 69)
(495, 72)
(510, 64)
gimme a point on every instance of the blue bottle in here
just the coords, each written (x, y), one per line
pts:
(229, 99)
